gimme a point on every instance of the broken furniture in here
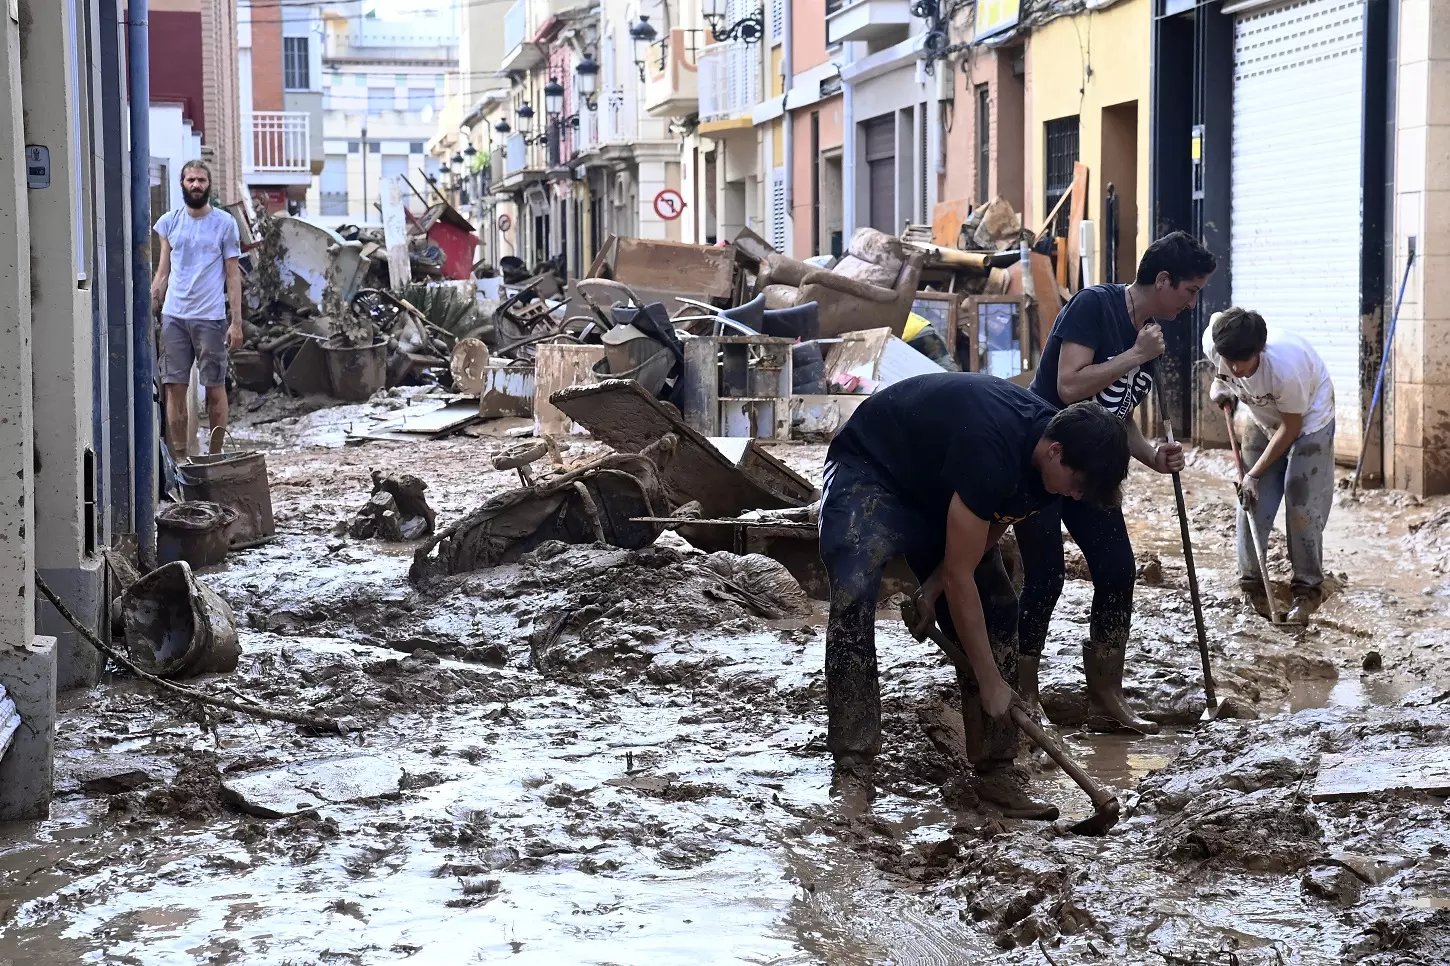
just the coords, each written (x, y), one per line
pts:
(559, 365)
(597, 503)
(176, 626)
(238, 481)
(738, 386)
(658, 270)
(872, 285)
(726, 476)
(998, 337)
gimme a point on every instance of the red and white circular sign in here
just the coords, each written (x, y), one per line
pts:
(669, 205)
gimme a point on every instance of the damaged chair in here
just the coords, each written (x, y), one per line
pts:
(871, 287)
(599, 503)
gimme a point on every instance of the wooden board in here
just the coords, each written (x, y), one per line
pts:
(947, 219)
(1397, 770)
(1077, 211)
(706, 272)
(559, 367)
(1045, 290)
(620, 413)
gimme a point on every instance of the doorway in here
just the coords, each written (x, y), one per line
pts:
(1120, 171)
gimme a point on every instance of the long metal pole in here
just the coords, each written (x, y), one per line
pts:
(143, 359)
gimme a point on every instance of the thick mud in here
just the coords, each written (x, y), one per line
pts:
(606, 756)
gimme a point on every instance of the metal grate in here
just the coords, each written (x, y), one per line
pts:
(1062, 153)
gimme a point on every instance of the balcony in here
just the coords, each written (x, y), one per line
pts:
(519, 52)
(520, 161)
(672, 86)
(729, 84)
(867, 20)
(279, 150)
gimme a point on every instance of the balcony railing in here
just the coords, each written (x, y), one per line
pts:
(282, 142)
(729, 80)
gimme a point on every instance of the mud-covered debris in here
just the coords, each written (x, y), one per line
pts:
(291, 789)
(760, 583)
(396, 511)
(598, 503)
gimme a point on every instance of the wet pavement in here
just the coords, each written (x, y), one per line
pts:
(651, 784)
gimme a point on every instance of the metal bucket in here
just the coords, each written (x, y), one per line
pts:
(356, 372)
(176, 626)
(194, 531)
(238, 481)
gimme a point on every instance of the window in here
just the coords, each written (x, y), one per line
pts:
(984, 143)
(415, 147)
(420, 98)
(381, 99)
(1061, 137)
(295, 64)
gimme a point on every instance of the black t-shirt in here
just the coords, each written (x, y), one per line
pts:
(928, 437)
(1096, 317)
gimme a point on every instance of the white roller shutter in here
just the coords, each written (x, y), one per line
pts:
(1296, 228)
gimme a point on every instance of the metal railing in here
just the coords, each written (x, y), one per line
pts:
(515, 25)
(729, 79)
(282, 141)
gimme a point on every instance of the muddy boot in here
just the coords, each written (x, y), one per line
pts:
(853, 781)
(1027, 666)
(1102, 665)
(1003, 786)
(1253, 591)
(1304, 607)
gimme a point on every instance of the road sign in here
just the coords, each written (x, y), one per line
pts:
(669, 205)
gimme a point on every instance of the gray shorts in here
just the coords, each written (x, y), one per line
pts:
(203, 341)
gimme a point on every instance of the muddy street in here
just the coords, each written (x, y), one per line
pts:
(604, 756)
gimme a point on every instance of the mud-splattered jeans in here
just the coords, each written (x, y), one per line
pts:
(1103, 538)
(1303, 480)
(863, 527)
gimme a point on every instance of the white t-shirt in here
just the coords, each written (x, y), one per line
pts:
(1291, 378)
(200, 247)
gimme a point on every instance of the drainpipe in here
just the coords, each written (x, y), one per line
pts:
(848, 161)
(788, 125)
(115, 276)
(143, 357)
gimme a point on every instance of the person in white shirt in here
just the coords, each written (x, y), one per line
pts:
(1289, 447)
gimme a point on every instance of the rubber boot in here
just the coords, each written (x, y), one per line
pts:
(1027, 667)
(1102, 665)
(991, 744)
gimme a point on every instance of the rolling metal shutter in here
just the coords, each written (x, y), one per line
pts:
(1295, 221)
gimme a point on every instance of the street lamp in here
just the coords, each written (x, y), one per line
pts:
(643, 34)
(749, 30)
(553, 97)
(587, 76)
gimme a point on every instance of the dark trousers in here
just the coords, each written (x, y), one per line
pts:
(863, 527)
(1103, 538)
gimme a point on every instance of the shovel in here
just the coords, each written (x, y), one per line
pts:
(1105, 804)
(1260, 548)
(1212, 707)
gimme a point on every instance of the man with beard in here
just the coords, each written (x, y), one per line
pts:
(198, 284)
